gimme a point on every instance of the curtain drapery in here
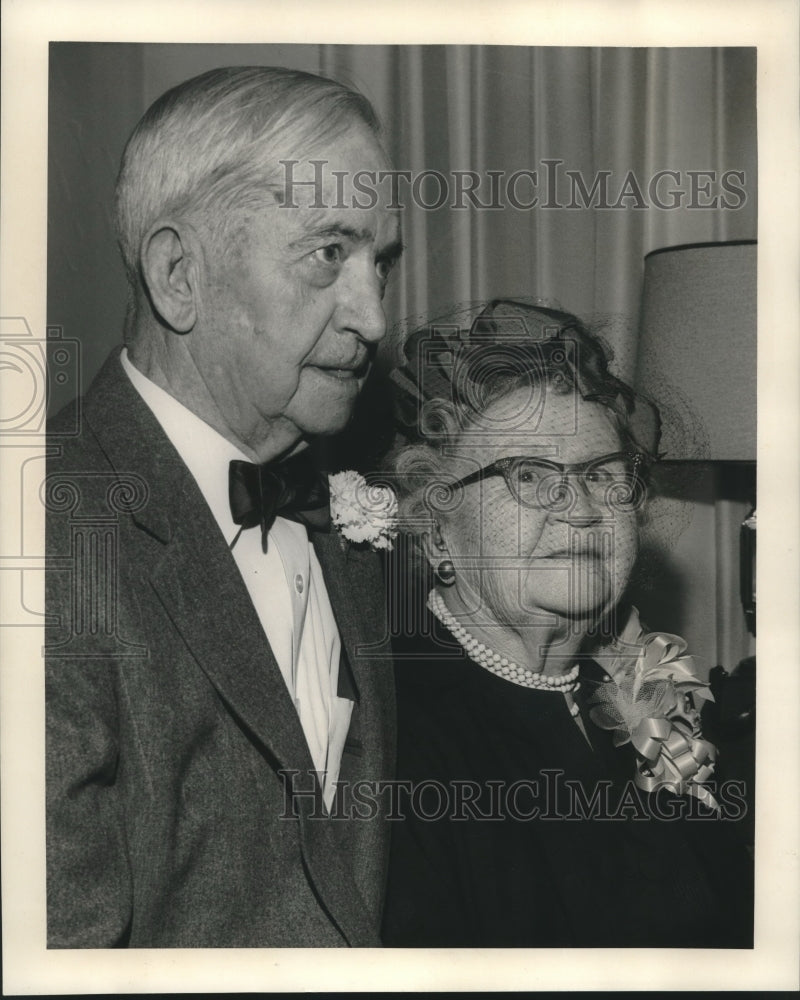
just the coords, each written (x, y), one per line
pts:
(599, 155)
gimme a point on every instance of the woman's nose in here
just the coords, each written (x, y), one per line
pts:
(578, 507)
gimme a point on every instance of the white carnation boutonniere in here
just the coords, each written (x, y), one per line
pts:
(653, 701)
(364, 513)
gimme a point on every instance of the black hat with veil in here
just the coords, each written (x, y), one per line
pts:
(472, 354)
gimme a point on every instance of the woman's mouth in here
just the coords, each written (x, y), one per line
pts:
(584, 552)
(340, 373)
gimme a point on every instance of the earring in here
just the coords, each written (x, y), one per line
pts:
(446, 572)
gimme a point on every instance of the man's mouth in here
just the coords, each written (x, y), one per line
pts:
(353, 370)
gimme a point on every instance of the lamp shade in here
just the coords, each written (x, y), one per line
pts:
(699, 332)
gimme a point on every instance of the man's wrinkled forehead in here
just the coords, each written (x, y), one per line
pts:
(348, 172)
(336, 195)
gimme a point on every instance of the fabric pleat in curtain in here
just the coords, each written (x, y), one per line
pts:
(510, 109)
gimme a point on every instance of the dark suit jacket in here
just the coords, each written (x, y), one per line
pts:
(169, 725)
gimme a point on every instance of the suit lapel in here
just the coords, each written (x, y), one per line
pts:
(201, 589)
(208, 603)
(195, 576)
(355, 590)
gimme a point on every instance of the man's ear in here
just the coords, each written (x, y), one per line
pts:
(170, 275)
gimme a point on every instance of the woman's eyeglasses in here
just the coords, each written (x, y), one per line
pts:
(614, 481)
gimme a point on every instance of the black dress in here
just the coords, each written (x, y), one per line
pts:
(502, 844)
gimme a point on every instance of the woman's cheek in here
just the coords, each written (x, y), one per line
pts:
(626, 546)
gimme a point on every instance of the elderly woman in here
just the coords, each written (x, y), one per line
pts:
(535, 811)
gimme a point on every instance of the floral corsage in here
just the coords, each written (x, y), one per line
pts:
(652, 701)
(364, 513)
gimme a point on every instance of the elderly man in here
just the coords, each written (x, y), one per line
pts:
(210, 696)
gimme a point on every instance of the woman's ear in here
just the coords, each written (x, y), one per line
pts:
(434, 544)
(170, 275)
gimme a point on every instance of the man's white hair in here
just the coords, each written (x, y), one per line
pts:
(209, 149)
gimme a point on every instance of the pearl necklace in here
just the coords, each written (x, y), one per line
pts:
(485, 657)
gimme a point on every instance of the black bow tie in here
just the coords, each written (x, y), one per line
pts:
(293, 489)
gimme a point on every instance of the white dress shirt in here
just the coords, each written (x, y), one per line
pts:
(285, 584)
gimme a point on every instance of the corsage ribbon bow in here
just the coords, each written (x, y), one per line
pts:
(653, 707)
(674, 759)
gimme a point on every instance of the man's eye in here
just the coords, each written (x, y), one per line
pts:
(383, 267)
(331, 254)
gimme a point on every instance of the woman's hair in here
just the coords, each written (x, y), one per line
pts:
(211, 147)
(453, 376)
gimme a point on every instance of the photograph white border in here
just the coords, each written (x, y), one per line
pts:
(28, 26)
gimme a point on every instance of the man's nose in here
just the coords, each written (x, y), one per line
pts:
(359, 307)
